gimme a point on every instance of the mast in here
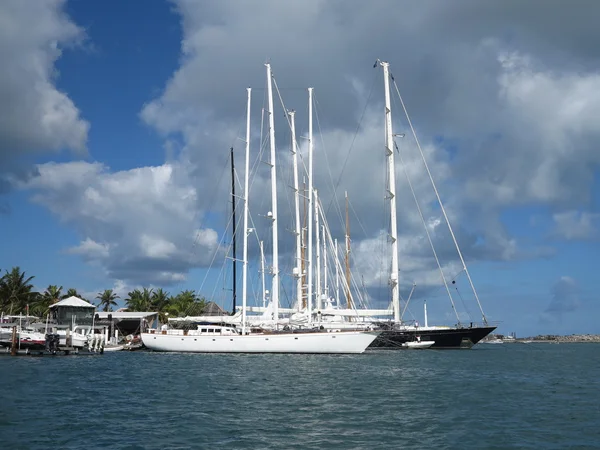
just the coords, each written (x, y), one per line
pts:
(325, 287)
(337, 276)
(348, 296)
(389, 149)
(298, 268)
(245, 239)
(262, 271)
(303, 257)
(275, 285)
(318, 250)
(233, 226)
(310, 205)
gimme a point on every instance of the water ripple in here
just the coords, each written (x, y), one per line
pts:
(517, 396)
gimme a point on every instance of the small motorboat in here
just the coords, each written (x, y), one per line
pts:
(418, 344)
(114, 348)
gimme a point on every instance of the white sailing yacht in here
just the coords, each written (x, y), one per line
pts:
(228, 339)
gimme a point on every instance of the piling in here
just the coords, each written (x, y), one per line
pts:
(13, 348)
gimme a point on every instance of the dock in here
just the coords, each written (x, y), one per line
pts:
(62, 351)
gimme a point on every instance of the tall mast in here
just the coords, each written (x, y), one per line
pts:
(337, 276)
(325, 287)
(245, 240)
(310, 205)
(389, 149)
(275, 286)
(298, 269)
(303, 257)
(262, 271)
(348, 295)
(318, 250)
(233, 229)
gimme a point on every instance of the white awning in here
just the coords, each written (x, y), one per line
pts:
(73, 301)
(126, 314)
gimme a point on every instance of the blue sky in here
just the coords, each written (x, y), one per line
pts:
(117, 123)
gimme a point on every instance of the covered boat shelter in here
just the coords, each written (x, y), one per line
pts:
(127, 322)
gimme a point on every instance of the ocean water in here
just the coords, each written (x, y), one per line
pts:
(538, 396)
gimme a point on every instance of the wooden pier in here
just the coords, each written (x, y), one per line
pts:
(62, 351)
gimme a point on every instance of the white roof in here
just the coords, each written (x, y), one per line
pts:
(125, 314)
(73, 301)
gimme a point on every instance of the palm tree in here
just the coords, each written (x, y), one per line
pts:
(53, 293)
(107, 300)
(72, 292)
(186, 303)
(160, 303)
(160, 299)
(139, 300)
(39, 306)
(15, 291)
(42, 302)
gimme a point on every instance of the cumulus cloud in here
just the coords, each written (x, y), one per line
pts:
(505, 121)
(35, 115)
(139, 225)
(576, 225)
(565, 299)
(547, 134)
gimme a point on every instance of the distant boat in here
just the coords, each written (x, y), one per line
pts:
(493, 341)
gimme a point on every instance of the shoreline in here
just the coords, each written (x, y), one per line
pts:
(552, 339)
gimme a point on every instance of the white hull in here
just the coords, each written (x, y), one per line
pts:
(114, 348)
(493, 341)
(418, 345)
(320, 342)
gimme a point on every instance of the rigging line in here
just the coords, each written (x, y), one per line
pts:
(231, 145)
(292, 143)
(196, 239)
(463, 303)
(281, 101)
(412, 190)
(337, 184)
(219, 246)
(337, 261)
(324, 151)
(343, 281)
(212, 200)
(439, 200)
(213, 259)
(357, 218)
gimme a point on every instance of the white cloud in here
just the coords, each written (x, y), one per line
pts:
(501, 126)
(137, 224)
(546, 149)
(565, 299)
(155, 247)
(576, 225)
(518, 131)
(90, 249)
(35, 115)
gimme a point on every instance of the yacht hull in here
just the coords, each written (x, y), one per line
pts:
(444, 338)
(321, 342)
